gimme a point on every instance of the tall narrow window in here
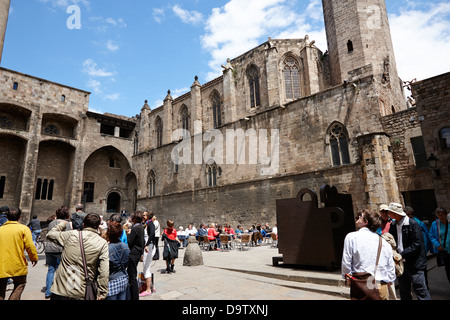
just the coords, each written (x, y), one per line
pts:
(2, 186)
(89, 191)
(420, 155)
(212, 173)
(253, 80)
(339, 145)
(159, 132)
(217, 112)
(15, 86)
(152, 183)
(444, 137)
(185, 121)
(350, 46)
(44, 189)
(292, 78)
(38, 189)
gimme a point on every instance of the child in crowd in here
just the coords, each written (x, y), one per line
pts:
(171, 243)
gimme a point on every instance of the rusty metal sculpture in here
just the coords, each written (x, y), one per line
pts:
(313, 236)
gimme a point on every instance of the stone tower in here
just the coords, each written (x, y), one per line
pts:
(358, 35)
(4, 13)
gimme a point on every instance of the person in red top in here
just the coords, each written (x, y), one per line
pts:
(171, 243)
(385, 219)
(212, 235)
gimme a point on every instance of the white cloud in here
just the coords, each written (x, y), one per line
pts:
(189, 17)
(91, 68)
(240, 25)
(94, 85)
(158, 15)
(112, 97)
(112, 46)
(421, 41)
(65, 3)
(116, 22)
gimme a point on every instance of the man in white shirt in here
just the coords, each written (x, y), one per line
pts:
(360, 253)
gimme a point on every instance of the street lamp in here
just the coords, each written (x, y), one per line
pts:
(432, 160)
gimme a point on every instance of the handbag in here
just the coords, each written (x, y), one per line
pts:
(359, 283)
(91, 286)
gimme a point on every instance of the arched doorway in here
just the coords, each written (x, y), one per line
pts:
(113, 203)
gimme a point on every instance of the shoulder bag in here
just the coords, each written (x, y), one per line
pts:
(91, 286)
(363, 285)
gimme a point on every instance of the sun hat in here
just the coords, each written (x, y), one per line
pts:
(383, 207)
(396, 208)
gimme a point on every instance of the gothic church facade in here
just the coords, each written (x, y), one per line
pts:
(282, 117)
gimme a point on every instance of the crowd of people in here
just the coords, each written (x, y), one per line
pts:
(392, 245)
(112, 251)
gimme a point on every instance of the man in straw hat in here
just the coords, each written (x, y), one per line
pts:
(408, 236)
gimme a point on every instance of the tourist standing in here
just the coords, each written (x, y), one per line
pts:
(441, 239)
(15, 239)
(361, 249)
(53, 250)
(171, 243)
(69, 281)
(409, 238)
(149, 250)
(136, 243)
(118, 261)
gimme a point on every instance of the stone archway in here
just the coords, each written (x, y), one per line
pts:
(113, 203)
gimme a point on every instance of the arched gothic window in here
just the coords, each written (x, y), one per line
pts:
(338, 138)
(253, 80)
(185, 121)
(217, 110)
(159, 132)
(152, 183)
(213, 172)
(291, 78)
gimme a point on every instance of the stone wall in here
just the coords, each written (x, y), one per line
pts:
(433, 104)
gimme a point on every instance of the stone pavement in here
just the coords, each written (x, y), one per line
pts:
(241, 275)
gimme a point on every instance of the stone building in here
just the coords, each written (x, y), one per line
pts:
(282, 117)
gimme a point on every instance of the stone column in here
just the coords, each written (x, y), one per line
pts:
(4, 13)
(168, 118)
(378, 170)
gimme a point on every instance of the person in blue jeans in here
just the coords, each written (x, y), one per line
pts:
(53, 250)
(3, 212)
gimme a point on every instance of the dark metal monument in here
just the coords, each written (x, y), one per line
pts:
(313, 236)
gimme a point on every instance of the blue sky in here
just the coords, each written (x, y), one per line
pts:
(127, 52)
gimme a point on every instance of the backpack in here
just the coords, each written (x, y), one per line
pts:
(77, 221)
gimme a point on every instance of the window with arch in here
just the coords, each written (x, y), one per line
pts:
(217, 110)
(184, 114)
(44, 189)
(338, 139)
(152, 183)
(159, 132)
(253, 81)
(444, 137)
(213, 172)
(291, 78)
